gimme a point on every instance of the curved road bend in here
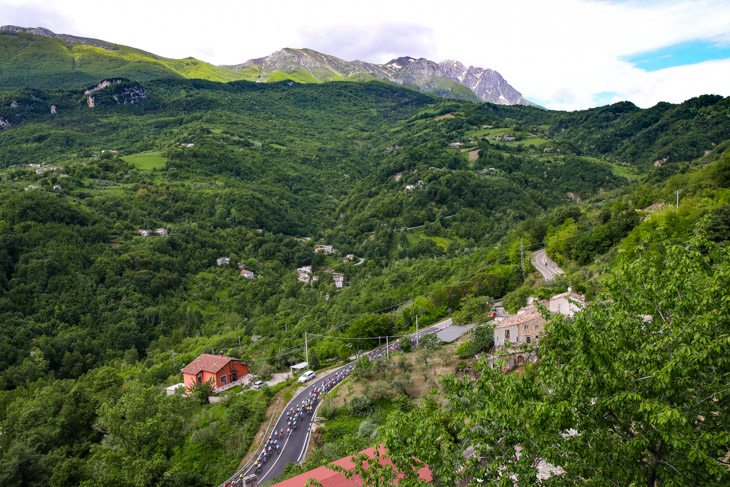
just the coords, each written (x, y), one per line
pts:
(547, 267)
(292, 448)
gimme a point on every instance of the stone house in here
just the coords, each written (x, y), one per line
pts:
(567, 303)
(526, 326)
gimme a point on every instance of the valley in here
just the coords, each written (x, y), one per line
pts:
(170, 218)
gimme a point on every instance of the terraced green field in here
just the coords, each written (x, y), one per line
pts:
(147, 160)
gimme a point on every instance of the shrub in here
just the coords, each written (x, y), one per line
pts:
(360, 405)
(367, 429)
(327, 409)
(464, 350)
(403, 382)
(381, 389)
(202, 391)
(405, 344)
(429, 342)
(205, 436)
(402, 403)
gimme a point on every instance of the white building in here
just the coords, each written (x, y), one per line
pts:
(339, 280)
(247, 274)
(171, 390)
(567, 303)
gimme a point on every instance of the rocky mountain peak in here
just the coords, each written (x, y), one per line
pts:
(448, 78)
(399, 62)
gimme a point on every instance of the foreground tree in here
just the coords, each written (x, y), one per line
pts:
(201, 391)
(634, 391)
(142, 429)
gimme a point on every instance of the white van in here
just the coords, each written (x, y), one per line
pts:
(306, 376)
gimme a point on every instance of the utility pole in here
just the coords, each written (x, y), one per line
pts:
(306, 347)
(522, 259)
(173, 357)
(416, 331)
(387, 351)
(677, 199)
(240, 350)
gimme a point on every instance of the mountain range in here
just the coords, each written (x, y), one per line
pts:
(40, 58)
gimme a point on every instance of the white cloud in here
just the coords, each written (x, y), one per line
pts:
(560, 53)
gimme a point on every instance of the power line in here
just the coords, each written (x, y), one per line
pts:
(467, 276)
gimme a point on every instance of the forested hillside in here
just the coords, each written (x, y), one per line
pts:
(432, 197)
(41, 62)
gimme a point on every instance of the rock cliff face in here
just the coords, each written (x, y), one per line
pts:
(487, 84)
(450, 79)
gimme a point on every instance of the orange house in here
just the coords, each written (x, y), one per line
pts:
(218, 369)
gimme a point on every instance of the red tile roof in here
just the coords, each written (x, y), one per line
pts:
(207, 363)
(330, 478)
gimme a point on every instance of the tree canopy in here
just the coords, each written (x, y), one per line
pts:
(632, 391)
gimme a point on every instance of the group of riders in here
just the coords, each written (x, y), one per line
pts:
(295, 415)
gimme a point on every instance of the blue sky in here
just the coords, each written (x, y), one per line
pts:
(562, 54)
(681, 54)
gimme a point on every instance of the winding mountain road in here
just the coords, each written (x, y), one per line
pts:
(294, 446)
(547, 267)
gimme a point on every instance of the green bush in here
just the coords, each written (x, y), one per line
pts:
(367, 429)
(403, 403)
(360, 405)
(327, 408)
(465, 350)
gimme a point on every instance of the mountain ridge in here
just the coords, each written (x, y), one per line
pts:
(446, 79)
(39, 58)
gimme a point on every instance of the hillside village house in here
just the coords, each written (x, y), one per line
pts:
(247, 274)
(303, 273)
(339, 280)
(567, 304)
(527, 325)
(218, 369)
(221, 261)
(327, 249)
(162, 232)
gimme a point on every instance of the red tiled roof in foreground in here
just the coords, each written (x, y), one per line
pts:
(330, 478)
(207, 363)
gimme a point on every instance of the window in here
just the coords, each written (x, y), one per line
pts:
(224, 379)
(525, 327)
(528, 339)
(234, 375)
(506, 334)
(537, 327)
(200, 377)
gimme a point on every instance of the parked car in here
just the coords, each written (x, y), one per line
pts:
(306, 376)
(258, 384)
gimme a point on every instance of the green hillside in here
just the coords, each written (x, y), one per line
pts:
(91, 310)
(33, 61)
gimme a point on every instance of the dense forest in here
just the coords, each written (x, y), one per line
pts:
(433, 197)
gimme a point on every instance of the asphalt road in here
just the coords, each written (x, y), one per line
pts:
(293, 447)
(545, 265)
